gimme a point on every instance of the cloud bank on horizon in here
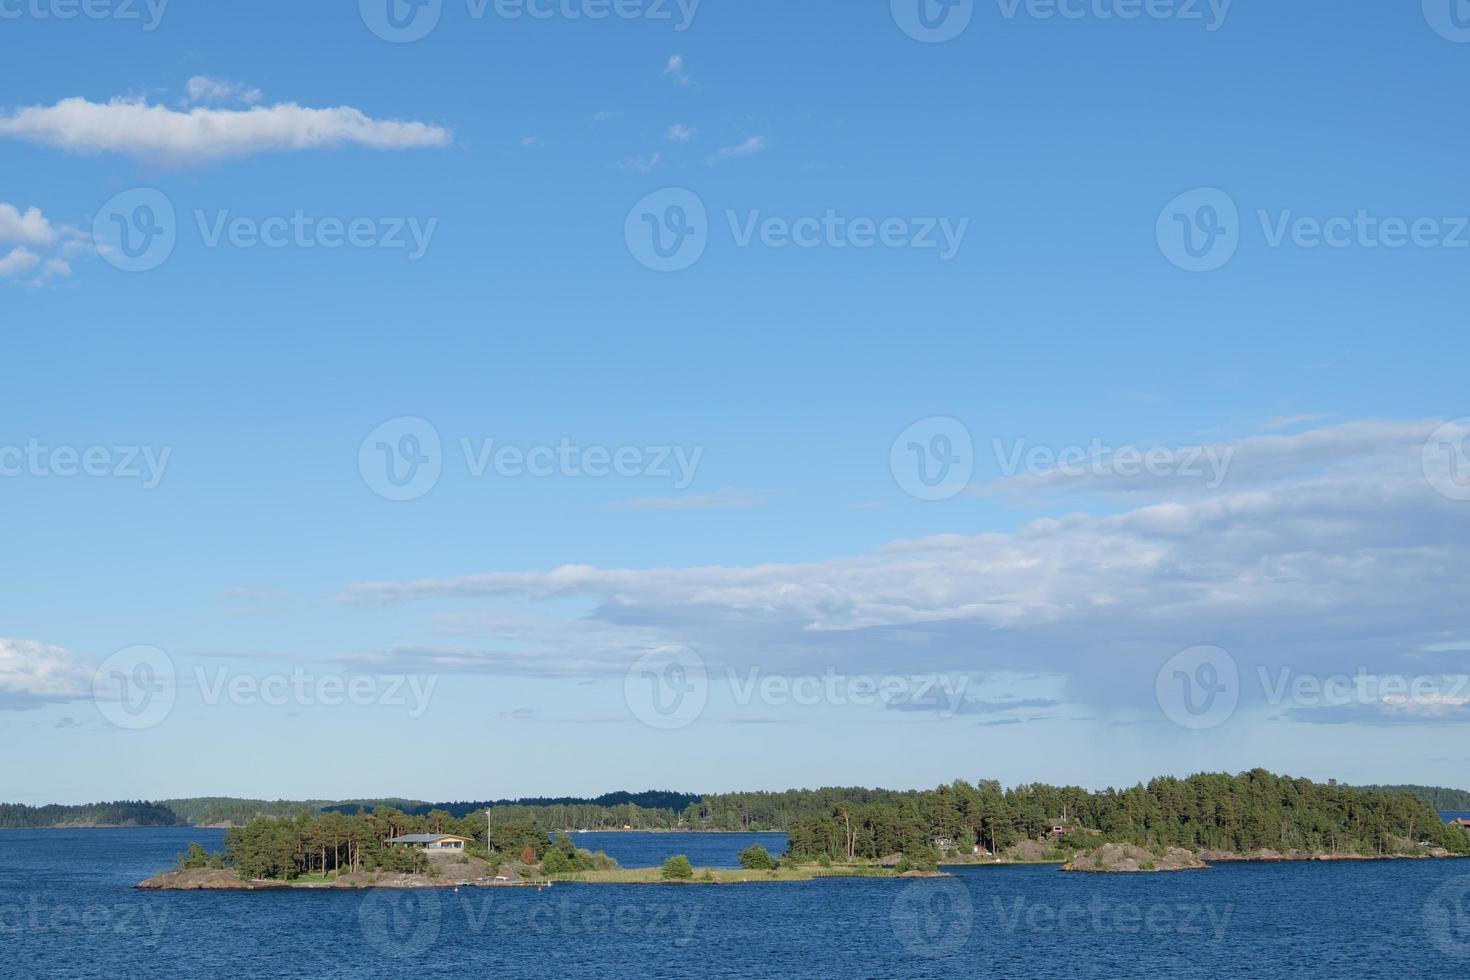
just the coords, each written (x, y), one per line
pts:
(1325, 551)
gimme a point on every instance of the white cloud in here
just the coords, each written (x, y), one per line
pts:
(1320, 569)
(29, 228)
(157, 132)
(18, 262)
(32, 674)
(527, 142)
(679, 133)
(749, 148)
(32, 228)
(202, 88)
(675, 68)
(643, 164)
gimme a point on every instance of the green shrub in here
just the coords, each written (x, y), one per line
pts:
(678, 868)
(757, 858)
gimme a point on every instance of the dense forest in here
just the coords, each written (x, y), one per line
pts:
(1436, 796)
(1241, 813)
(125, 813)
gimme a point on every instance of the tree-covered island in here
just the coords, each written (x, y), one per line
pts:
(1166, 824)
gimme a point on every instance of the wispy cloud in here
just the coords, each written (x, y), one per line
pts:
(749, 148)
(1279, 422)
(642, 164)
(679, 133)
(675, 69)
(155, 132)
(727, 498)
(37, 236)
(530, 142)
(202, 89)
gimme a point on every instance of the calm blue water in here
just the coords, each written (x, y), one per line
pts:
(67, 910)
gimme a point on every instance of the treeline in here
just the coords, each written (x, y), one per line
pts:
(205, 811)
(650, 810)
(1436, 796)
(124, 813)
(1240, 813)
(334, 843)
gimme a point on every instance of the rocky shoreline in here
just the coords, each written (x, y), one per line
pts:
(1128, 858)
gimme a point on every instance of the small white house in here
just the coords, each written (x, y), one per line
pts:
(430, 842)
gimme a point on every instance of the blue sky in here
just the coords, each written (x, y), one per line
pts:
(527, 154)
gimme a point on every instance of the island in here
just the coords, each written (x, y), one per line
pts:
(1167, 824)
